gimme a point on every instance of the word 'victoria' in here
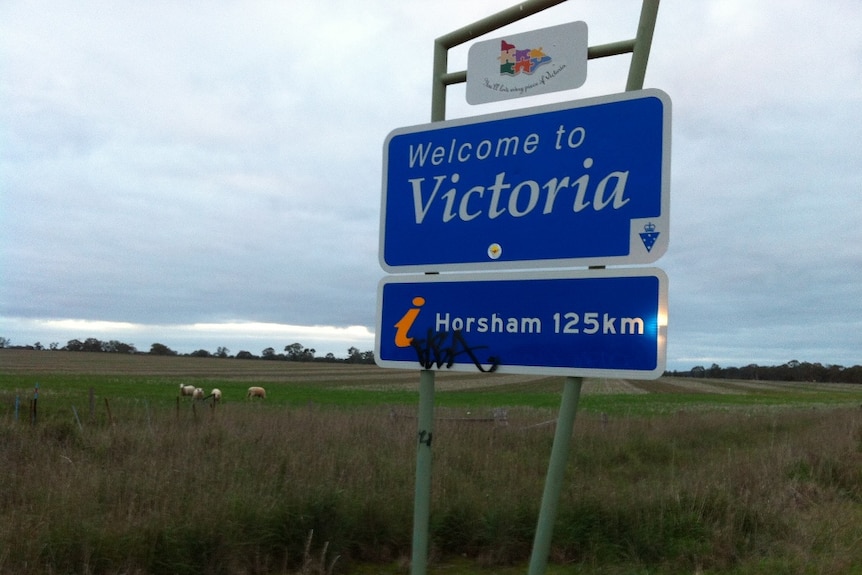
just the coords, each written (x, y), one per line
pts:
(524, 197)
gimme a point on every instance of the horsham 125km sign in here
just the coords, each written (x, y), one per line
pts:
(588, 323)
(573, 184)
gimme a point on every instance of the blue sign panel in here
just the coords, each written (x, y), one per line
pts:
(574, 184)
(592, 323)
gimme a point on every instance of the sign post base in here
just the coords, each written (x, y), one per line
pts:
(556, 473)
(422, 497)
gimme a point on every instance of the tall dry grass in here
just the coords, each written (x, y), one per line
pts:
(238, 490)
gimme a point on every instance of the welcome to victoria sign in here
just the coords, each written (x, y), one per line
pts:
(573, 184)
(576, 184)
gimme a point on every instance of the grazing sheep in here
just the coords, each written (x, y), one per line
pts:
(216, 395)
(198, 393)
(187, 390)
(256, 392)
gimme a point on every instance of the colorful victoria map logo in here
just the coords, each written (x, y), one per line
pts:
(514, 61)
(528, 63)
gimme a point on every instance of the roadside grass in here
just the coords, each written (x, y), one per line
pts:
(319, 477)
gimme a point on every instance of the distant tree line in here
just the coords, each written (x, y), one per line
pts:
(292, 352)
(791, 371)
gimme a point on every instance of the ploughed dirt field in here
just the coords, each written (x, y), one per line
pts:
(347, 375)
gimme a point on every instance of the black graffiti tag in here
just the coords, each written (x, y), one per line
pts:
(425, 438)
(437, 350)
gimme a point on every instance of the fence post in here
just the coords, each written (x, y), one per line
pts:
(108, 407)
(35, 412)
(92, 405)
(78, 419)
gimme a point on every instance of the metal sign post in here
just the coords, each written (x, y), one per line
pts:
(639, 47)
(556, 473)
(422, 494)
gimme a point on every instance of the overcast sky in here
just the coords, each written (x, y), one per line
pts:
(205, 174)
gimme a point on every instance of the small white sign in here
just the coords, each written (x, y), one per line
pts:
(526, 64)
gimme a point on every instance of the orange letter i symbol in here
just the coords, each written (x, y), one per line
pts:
(405, 323)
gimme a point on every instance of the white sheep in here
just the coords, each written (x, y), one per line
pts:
(187, 390)
(198, 393)
(216, 395)
(256, 392)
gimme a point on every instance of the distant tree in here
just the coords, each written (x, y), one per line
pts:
(115, 346)
(38, 346)
(793, 370)
(245, 355)
(74, 345)
(293, 352)
(222, 352)
(730, 373)
(161, 349)
(835, 373)
(54, 346)
(788, 372)
(4, 343)
(268, 353)
(126, 348)
(749, 371)
(330, 356)
(200, 353)
(353, 355)
(852, 374)
(92, 344)
(298, 352)
(819, 372)
(356, 356)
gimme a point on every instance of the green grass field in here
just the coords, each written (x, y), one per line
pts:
(119, 475)
(155, 379)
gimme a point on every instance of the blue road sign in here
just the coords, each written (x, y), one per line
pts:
(573, 184)
(590, 323)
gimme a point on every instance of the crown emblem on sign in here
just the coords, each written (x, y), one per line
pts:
(649, 235)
